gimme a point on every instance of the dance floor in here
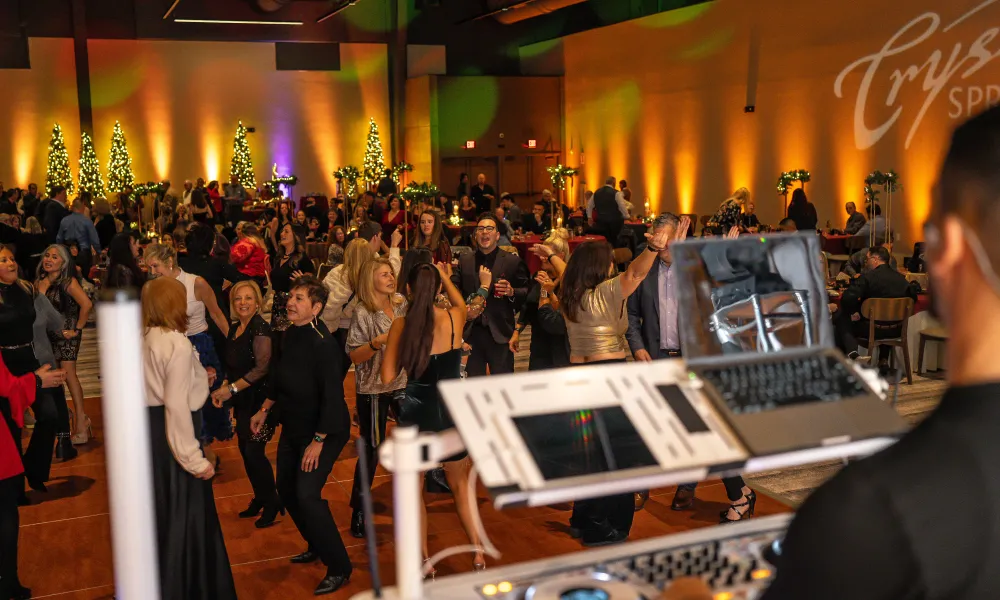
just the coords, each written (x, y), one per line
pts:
(66, 538)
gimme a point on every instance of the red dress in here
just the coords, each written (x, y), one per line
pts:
(216, 199)
(249, 258)
(20, 393)
(388, 226)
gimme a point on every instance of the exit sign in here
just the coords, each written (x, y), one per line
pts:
(532, 143)
(470, 145)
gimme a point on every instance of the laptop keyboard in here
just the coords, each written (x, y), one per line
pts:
(755, 387)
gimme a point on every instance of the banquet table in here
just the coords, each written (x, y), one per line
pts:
(835, 244)
(524, 244)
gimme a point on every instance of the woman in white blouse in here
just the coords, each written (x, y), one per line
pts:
(187, 524)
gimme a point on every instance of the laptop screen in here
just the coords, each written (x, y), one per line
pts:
(757, 293)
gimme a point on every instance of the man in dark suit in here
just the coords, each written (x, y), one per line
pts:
(55, 212)
(30, 201)
(387, 185)
(489, 332)
(611, 212)
(879, 281)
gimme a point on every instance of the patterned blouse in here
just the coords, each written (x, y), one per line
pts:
(365, 327)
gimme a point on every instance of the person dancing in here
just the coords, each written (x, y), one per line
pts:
(306, 387)
(246, 358)
(194, 564)
(427, 343)
(379, 306)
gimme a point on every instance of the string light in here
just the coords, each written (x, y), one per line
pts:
(374, 164)
(58, 172)
(120, 164)
(90, 168)
(786, 179)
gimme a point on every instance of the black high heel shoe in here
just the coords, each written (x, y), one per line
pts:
(38, 486)
(270, 514)
(750, 501)
(252, 510)
(64, 448)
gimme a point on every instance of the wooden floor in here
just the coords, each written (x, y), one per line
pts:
(66, 546)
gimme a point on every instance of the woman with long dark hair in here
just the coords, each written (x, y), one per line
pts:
(201, 210)
(430, 234)
(802, 211)
(194, 564)
(246, 360)
(427, 344)
(549, 346)
(123, 270)
(593, 303)
(57, 282)
(288, 264)
(394, 217)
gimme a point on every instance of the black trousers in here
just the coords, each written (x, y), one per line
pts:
(848, 332)
(10, 521)
(255, 462)
(84, 260)
(487, 352)
(62, 410)
(37, 459)
(340, 336)
(234, 214)
(302, 494)
(373, 413)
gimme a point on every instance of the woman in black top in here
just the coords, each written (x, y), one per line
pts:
(549, 344)
(246, 360)
(104, 223)
(802, 211)
(289, 263)
(123, 270)
(305, 385)
(17, 318)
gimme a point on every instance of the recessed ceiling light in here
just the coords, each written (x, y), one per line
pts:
(235, 22)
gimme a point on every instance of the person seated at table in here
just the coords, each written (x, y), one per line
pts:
(314, 234)
(879, 281)
(787, 224)
(876, 221)
(467, 210)
(511, 209)
(858, 262)
(855, 220)
(749, 221)
(360, 217)
(503, 226)
(730, 212)
(536, 222)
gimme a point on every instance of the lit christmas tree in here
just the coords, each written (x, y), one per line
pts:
(58, 166)
(242, 165)
(120, 164)
(90, 168)
(374, 159)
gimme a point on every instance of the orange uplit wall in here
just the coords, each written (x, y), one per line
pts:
(33, 101)
(179, 103)
(659, 101)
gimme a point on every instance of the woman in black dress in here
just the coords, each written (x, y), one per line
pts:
(289, 263)
(427, 343)
(194, 564)
(123, 270)
(55, 279)
(245, 359)
(802, 211)
(549, 345)
(17, 319)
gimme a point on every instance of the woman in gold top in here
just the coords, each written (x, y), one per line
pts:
(593, 302)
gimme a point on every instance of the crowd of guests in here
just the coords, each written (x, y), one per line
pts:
(217, 368)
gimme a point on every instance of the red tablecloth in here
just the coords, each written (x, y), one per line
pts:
(835, 244)
(534, 263)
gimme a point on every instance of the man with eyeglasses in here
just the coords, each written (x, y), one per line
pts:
(919, 519)
(488, 332)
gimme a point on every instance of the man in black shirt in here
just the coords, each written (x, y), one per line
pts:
(879, 281)
(305, 386)
(489, 332)
(30, 202)
(482, 195)
(536, 222)
(387, 185)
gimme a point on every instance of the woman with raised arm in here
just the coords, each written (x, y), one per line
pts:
(427, 344)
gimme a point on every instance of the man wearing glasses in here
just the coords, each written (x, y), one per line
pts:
(487, 332)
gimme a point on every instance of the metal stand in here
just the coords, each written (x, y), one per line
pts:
(126, 436)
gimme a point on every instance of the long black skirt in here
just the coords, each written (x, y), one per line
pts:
(194, 564)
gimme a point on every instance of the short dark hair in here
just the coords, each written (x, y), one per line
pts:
(788, 222)
(874, 210)
(487, 216)
(56, 190)
(881, 253)
(667, 218)
(314, 288)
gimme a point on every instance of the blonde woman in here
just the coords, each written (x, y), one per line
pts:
(162, 262)
(246, 360)
(378, 306)
(342, 282)
(730, 213)
(194, 564)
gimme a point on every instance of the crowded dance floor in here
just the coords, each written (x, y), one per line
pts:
(439, 299)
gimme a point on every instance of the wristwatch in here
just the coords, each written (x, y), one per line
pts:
(544, 294)
(232, 389)
(318, 438)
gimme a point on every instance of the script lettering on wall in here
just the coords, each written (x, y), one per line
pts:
(940, 68)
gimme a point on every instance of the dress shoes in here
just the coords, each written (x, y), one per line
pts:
(683, 499)
(330, 584)
(358, 524)
(602, 536)
(267, 518)
(641, 498)
(306, 557)
(252, 510)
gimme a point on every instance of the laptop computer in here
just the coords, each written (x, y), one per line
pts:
(756, 330)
